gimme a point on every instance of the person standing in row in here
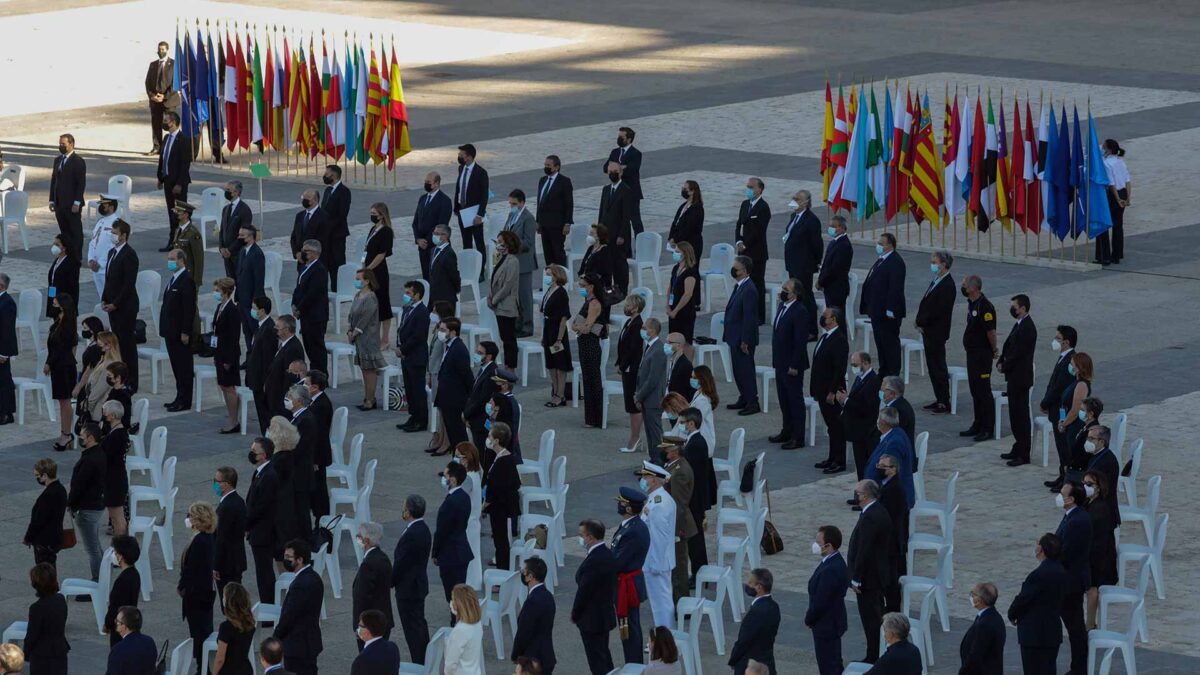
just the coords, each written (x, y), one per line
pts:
(1016, 362)
(471, 194)
(259, 358)
(982, 647)
(450, 551)
(335, 202)
(63, 277)
(377, 249)
(410, 578)
(229, 553)
(454, 384)
(85, 499)
(160, 83)
(8, 351)
(227, 349)
(189, 240)
(126, 586)
(1110, 247)
(445, 281)
(934, 316)
(688, 224)
(882, 301)
(46, 645)
(299, 625)
(250, 280)
(522, 223)
(1036, 609)
(591, 326)
(174, 171)
(760, 626)
(504, 295)
(1066, 339)
(659, 515)
(412, 347)
(651, 383)
(483, 388)
(101, 241)
(860, 410)
(372, 580)
(979, 342)
(534, 638)
(120, 298)
(196, 576)
(630, 349)
(683, 301)
(630, 545)
(175, 328)
(629, 159)
(68, 181)
(44, 534)
(827, 379)
(826, 614)
(802, 241)
(618, 210)
(869, 561)
(234, 216)
(789, 358)
(593, 612)
(834, 279)
(61, 365)
(310, 304)
(740, 333)
(556, 317)
(1075, 533)
(555, 211)
(750, 234)
(433, 209)
(362, 331)
(262, 500)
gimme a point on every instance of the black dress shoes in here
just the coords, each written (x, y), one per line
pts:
(834, 468)
(931, 406)
(1017, 461)
(736, 405)
(822, 464)
(982, 436)
(940, 409)
(792, 445)
(969, 432)
(780, 438)
(751, 409)
(6, 419)
(414, 427)
(1008, 455)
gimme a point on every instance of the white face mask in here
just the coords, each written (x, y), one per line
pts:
(287, 404)
(793, 205)
(56, 250)
(1056, 345)
(816, 548)
(591, 240)
(453, 610)
(362, 634)
(116, 239)
(1059, 501)
(187, 522)
(1089, 490)
(1089, 447)
(971, 603)
(442, 335)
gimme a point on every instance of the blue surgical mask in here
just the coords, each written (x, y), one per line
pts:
(1082, 416)
(457, 460)
(358, 283)
(487, 424)
(667, 350)
(831, 232)
(512, 210)
(406, 299)
(881, 396)
(172, 266)
(217, 296)
(445, 483)
(437, 240)
(254, 314)
(477, 358)
(547, 280)
(749, 194)
(694, 383)
(1071, 369)
(582, 543)
(644, 485)
(878, 249)
(583, 292)
(677, 256)
(489, 408)
(216, 488)
(933, 267)
(644, 334)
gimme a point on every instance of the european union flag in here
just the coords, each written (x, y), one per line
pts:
(1079, 180)
(1099, 219)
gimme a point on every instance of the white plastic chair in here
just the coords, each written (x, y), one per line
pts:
(343, 296)
(921, 452)
(767, 375)
(97, 590)
(911, 584)
(1146, 513)
(732, 515)
(29, 314)
(688, 643)
(732, 465)
(212, 202)
(348, 496)
(338, 351)
(748, 545)
(181, 658)
(720, 259)
(347, 472)
(151, 525)
(120, 186)
(715, 329)
(1119, 595)
(908, 347)
(940, 510)
(554, 494)
(1119, 425)
(540, 467)
(435, 653)
(1042, 425)
(149, 287)
(39, 384)
(325, 563)
(337, 434)
(200, 373)
(1129, 483)
(926, 541)
(156, 356)
(349, 523)
(503, 605)
(732, 487)
(470, 262)
(552, 554)
(696, 607)
(15, 173)
(15, 212)
(273, 272)
(1102, 638)
(152, 463)
(15, 632)
(577, 378)
(473, 333)
(526, 348)
(1153, 552)
(576, 245)
(957, 374)
(865, 329)
(647, 247)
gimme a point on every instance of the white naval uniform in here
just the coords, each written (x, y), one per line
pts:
(98, 249)
(659, 514)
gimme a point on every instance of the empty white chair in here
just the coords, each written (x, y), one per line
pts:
(1119, 595)
(911, 584)
(647, 247)
(337, 434)
(732, 465)
(957, 374)
(554, 495)
(473, 332)
(688, 643)
(161, 526)
(29, 314)
(1153, 552)
(720, 259)
(696, 607)
(212, 202)
(15, 631)
(344, 295)
(273, 272)
(921, 451)
(716, 327)
(15, 211)
(121, 187)
(1112, 640)
(611, 388)
(348, 496)
(1042, 425)
(39, 386)
(939, 510)
(926, 541)
(852, 302)
(149, 287)
(337, 351)
(731, 515)
(1119, 425)
(470, 263)
(552, 553)
(864, 325)
(908, 347)
(526, 348)
(97, 590)
(435, 652)
(502, 605)
(153, 462)
(732, 487)
(15, 173)
(1146, 513)
(747, 545)
(349, 523)
(1129, 483)
(540, 467)
(767, 375)
(200, 373)
(326, 564)
(576, 247)
(181, 658)
(156, 356)
(348, 472)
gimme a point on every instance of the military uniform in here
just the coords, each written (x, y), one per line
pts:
(981, 319)
(681, 485)
(188, 239)
(659, 516)
(101, 243)
(630, 543)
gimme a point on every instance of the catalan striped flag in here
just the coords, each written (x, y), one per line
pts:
(925, 194)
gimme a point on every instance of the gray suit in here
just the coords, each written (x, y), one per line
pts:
(504, 285)
(525, 227)
(651, 385)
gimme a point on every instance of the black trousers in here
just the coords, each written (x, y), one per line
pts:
(180, 356)
(171, 197)
(862, 452)
(554, 246)
(70, 226)
(1072, 618)
(1110, 245)
(887, 345)
(414, 390)
(302, 498)
(891, 596)
(56, 665)
(631, 647)
(1019, 420)
(837, 434)
(758, 276)
(696, 546)
(263, 409)
(264, 571)
(122, 323)
(935, 363)
(870, 612)
(500, 538)
(620, 273)
(300, 666)
(320, 494)
(424, 254)
(472, 237)
(8, 392)
(312, 336)
(1039, 660)
(452, 575)
(156, 118)
(508, 339)
(456, 428)
(416, 630)
(595, 647)
(979, 379)
(829, 653)
(200, 626)
(45, 554)
(744, 374)
(790, 389)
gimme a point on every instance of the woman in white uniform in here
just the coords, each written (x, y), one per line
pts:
(1111, 248)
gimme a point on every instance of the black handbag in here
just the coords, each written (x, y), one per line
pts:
(139, 332)
(322, 536)
(612, 296)
(772, 542)
(747, 484)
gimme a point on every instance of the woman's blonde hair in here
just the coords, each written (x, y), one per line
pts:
(111, 345)
(674, 402)
(636, 301)
(204, 516)
(466, 603)
(385, 214)
(12, 659)
(237, 607)
(225, 285)
(558, 274)
(687, 254)
(283, 434)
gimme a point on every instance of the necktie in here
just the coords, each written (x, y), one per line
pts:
(428, 199)
(820, 341)
(167, 153)
(307, 216)
(325, 197)
(795, 219)
(546, 188)
(779, 315)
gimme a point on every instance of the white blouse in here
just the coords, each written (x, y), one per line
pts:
(464, 649)
(1118, 173)
(707, 428)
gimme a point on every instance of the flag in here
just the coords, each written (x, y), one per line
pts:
(401, 144)
(360, 110)
(316, 111)
(243, 111)
(382, 137)
(233, 131)
(349, 104)
(898, 177)
(268, 97)
(298, 101)
(1003, 180)
(983, 161)
(827, 145)
(200, 82)
(951, 186)
(256, 78)
(851, 112)
(926, 191)
(183, 84)
(856, 160)
(889, 122)
(838, 151)
(962, 159)
(1057, 176)
(1099, 218)
(1042, 150)
(215, 115)
(873, 165)
(323, 126)
(374, 93)
(335, 115)
(1033, 186)
(1017, 184)
(1079, 181)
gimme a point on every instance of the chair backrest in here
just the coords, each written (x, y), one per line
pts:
(1136, 618)
(16, 174)
(273, 268)
(720, 259)
(1119, 424)
(1143, 583)
(737, 447)
(687, 650)
(756, 497)
(435, 651)
(470, 262)
(148, 285)
(758, 466)
(508, 591)
(16, 205)
(29, 305)
(158, 445)
(141, 415)
(950, 521)
(922, 449)
(337, 433)
(345, 278)
(647, 295)
(362, 507)
(647, 247)
(1153, 487)
(1135, 458)
(545, 447)
(106, 567)
(181, 658)
(168, 473)
(558, 472)
(212, 200)
(369, 473)
(951, 484)
(577, 240)
(1160, 533)
(122, 186)
(424, 289)
(716, 325)
(169, 502)
(944, 565)
(356, 446)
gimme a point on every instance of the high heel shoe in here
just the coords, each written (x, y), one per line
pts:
(364, 407)
(70, 444)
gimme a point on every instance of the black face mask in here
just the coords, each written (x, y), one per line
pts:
(374, 219)
(62, 149)
(428, 186)
(253, 457)
(303, 257)
(784, 297)
(1013, 311)
(548, 169)
(289, 565)
(306, 203)
(327, 180)
(621, 142)
(166, 127)
(109, 380)
(462, 161)
(87, 335)
(683, 193)
(733, 272)
(614, 177)
(228, 196)
(963, 290)
(821, 320)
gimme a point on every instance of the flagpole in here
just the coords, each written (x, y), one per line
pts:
(1087, 203)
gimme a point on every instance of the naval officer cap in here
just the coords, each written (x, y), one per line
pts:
(110, 198)
(504, 375)
(631, 496)
(652, 469)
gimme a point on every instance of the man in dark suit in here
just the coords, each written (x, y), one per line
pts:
(618, 211)
(630, 544)
(756, 636)
(629, 159)
(251, 279)
(979, 342)
(870, 556)
(270, 657)
(310, 304)
(892, 387)
(482, 391)
(445, 282)
(982, 647)
(592, 612)
(1066, 339)
(335, 202)
(1102, 460)
(1016, 362)
(68, 180)
(127, 585)
(258, 359)
(372, 581)
(556, 211)
(901, 657)
(789, 358)
(535, 624)
(834, 279)
(317, 382)
(471, 194)
(377, 655)
(410, 578)
(826, 615)
(160, 82)
(278, 379)
(235, 215)
(120, 298)
(450, 551)
(136, 653)
(433, 208)
(751, 237)
(412, 346)
(229, 552)
(894, 499)
(828, 378)
(882, 301)
(1037, 608)
(740, 332)
(802, 247)
(933, 323)
(298, 403)
(455, 381)
(1075, 533)
(261, 501)
(860, 410)
(299, 624)
(175, 328)
(174, 170)
(312, 223)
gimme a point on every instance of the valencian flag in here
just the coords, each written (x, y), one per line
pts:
(298, 106)
(926, 190)
(827, 145)
(385, 101)
(401, 144)
(1099, 218)
(838, 152)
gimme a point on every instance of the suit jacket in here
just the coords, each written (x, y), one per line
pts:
(125, 589)
(632, 161)
(409, 576)
(262, 352)
(895, 501)
(251, 276)
(46, 519)
(789, 344)
(160, 80)
(679, 380)
(741, 316)
(278, 377)
(835, 266)
(299, 625)
(630, 345)
(1075, 532)
(681, 485)
(68, 181)
(630, 544)
(526, 229)
(556, 207)
(227, 329)
(229, 549)
(908, 421)
(411, 335)
(64, 277)
(936, 310)
(189, 240)
(174, 167)
(652, 377)
(756, 636)
(505, 281)
(688, 225)
(618, 209)
(311, 296)
(593, 610)
(319, 227)
(751, 231)
(1036, 610)
(476, 193)
(120, 284)
(196, 574)
(135, 654)
(1016, 357)
(883, 289)
(827, 586)
(305, 455)
(829, 364)
(1060, 379)
(433, 209)
(704, 485)
(45, 635)
(233, 219)
(444, 279)
(535, 628)
(982, 647)
(371, 584)
(1105, 462)
(455, 379)
(450, 545)
(900, 658)
(261, 500)
(322, 407)
(482, 391)
(381, 657)
(335, 201)
(802, 247)
(871, 545)
(861, 408)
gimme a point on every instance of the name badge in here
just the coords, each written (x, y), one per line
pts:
(51, 292)
(670, 298)
(212, 342)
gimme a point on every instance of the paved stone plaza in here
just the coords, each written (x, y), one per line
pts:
(717, 91)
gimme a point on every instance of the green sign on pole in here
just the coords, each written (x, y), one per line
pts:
(260, 171)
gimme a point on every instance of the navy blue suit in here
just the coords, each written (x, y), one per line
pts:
(901, 658)
(826, 615)
(299, 626)
(860, 412)
(834, 278)
(381, 657)
(896, 444)
(535, 629)
(1036, 611)
(593, 612)
(883, 292)
(741, 328)
(829, 377)
(982, 647)
(135, 654)
(251, 276)
(451, 552)
(1075, 532)
(789, 351)
(311, 302)
(454, 386)
(412, 341)
(630, 543)
(433, 209)
(802, 246)
(756, 637)
(410, 580)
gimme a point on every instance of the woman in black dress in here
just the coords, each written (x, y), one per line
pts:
(502, 488)
(1102, 556)
(63, 277)
(591, 326)
(235, 635)
(689, 218)
(629, 359)
(61, 365)
(116, 482)
(684, 300)
(227, 349)
(598, 258)
(46, 643)
(556, 348)
(196, 585)
(379, 248)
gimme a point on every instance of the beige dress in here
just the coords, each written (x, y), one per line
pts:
(364, 317)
